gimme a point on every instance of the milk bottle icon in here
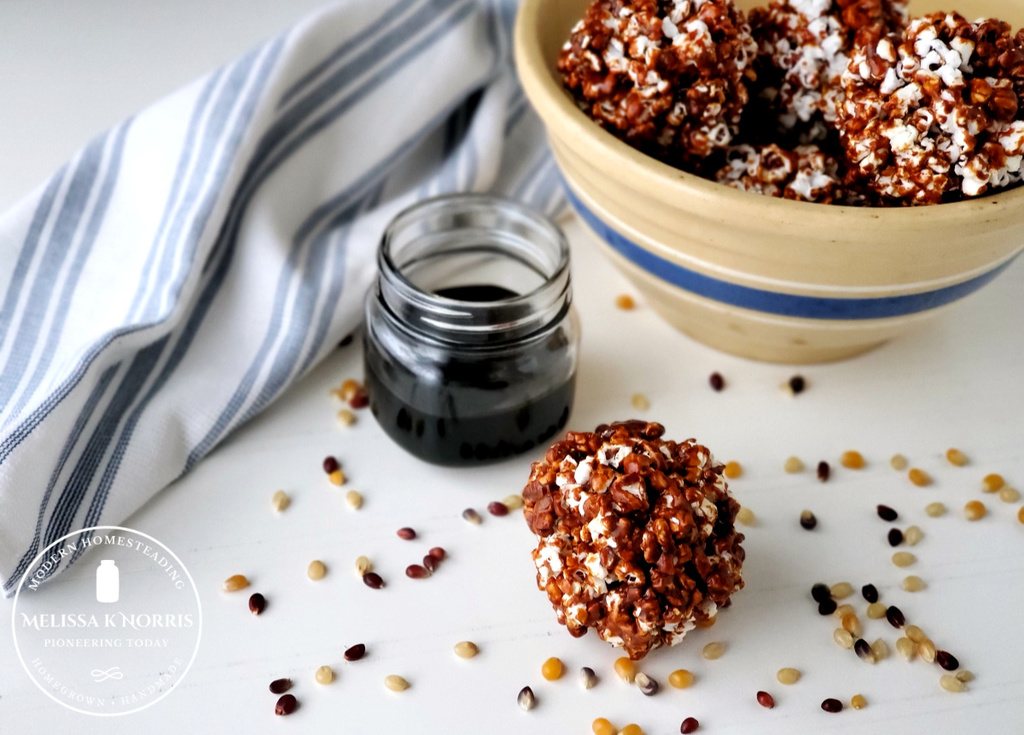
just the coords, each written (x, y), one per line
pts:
(108, 581)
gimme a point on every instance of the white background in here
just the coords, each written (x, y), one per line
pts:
(69, 69)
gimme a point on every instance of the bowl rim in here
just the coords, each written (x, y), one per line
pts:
(670, 184)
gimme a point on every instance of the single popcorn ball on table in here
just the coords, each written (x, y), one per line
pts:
(933, 114)
(668, 76)
(805, 173)
(637, 535)
(804, 47)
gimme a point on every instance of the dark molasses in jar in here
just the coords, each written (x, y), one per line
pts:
(471, 342)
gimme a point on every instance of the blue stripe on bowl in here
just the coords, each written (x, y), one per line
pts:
(774, 302)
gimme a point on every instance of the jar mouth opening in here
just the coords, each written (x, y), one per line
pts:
(474, 234)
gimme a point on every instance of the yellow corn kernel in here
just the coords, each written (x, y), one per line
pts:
(680, 679)
(236, 582)
(975, 510)
(919, 477)
(626, 669)
(852, 460)
(955, 457)
(552, 669)
(992, 483)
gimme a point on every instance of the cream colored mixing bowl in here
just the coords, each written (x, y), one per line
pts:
(764, 278)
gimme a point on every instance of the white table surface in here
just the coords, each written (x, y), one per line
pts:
(72, 68)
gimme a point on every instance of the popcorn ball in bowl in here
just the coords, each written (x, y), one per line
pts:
(637, 536)
(666, 75)
(804, 47)
(805, 173)
(933, 113)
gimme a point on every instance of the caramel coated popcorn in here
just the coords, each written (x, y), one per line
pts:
(804, 47)
(666, 75)
(826, 101)
(637, 536)
(933, 113)
(805, 173)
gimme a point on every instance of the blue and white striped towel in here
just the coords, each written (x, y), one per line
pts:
(186, 267)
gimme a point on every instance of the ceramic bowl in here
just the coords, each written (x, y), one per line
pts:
(764, 278)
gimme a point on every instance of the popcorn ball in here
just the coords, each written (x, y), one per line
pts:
(803, 50)
(932, 114)
(637, 536)
(665, 75)
(805, 173)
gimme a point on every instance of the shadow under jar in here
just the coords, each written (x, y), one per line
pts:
(471, 341)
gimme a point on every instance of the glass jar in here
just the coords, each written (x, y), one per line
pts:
(471, 341)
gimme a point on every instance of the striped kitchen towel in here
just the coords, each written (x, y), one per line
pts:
(189, 265)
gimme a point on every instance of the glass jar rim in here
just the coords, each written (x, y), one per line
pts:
(548, 297)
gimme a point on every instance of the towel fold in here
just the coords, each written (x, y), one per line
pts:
(186, 267)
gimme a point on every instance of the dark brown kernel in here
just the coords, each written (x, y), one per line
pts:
(824, 471)
(808, 521)
(257, 603)
(886, 513)
(689, 725)
(863, 649)
(797, 384)
(430, 563)
(406, 533)
(373, 580)
(947, 660)
(356, 652)
(286, 705)
(869, 592)
(497, 508)
(827, 607)
(820, 592)
(280, 686)
(895, 537)
(717, 383)
(895, 616)
(438, 553)
(331, 465)
(765, 699)
(832, 705)
(360, 399)
(415, 571)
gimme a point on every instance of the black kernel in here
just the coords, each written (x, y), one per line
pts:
(808, 520)
(895, 537)
(797, 384)
(717, 382)
(895, 616)
(886, 513)
(824, 471)
(832, 705)
(869, 592)
(827, 607)
(947, 660)
(820, 592)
